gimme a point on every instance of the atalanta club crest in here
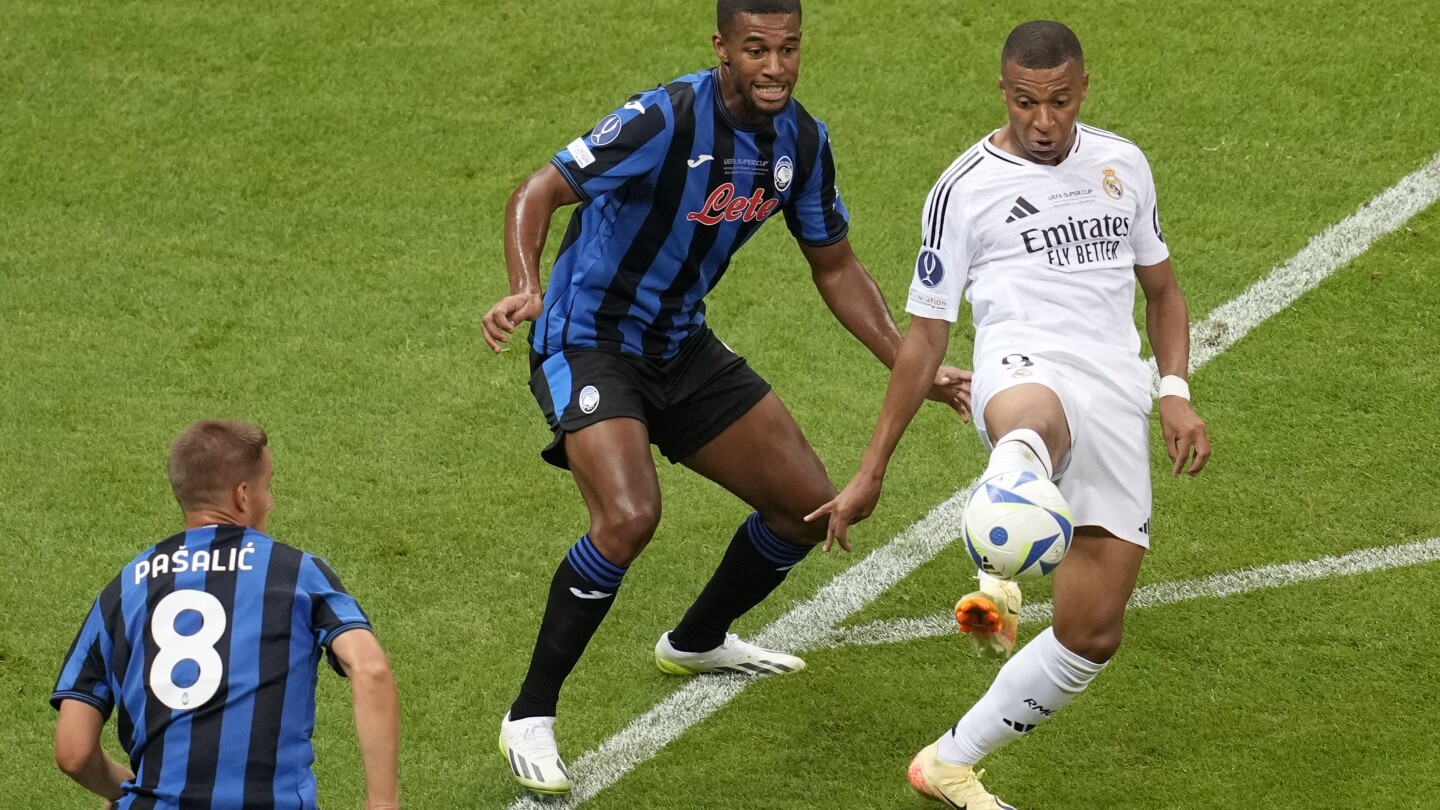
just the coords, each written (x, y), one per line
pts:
(784, 173)
(606, 131)
(929, 269)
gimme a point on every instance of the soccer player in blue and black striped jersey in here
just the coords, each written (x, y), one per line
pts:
(669, 187)
(209, 644)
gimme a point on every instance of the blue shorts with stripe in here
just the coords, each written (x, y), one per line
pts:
(684, 402)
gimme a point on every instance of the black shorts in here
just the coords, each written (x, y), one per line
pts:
(684, 402)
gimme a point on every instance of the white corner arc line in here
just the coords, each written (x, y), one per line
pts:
(1230, 583)
(814, 620)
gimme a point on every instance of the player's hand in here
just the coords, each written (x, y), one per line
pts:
(952, 387)
(508, 313)
(1185, 437)
(852, 505)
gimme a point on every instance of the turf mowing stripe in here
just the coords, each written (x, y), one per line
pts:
(810, 623)
(1229, 583)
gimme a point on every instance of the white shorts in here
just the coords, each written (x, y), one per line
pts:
(1106, 475)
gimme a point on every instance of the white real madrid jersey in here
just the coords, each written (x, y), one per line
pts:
(1046, 255)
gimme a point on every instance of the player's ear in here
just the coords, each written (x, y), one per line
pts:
(242, 497)
(721, 52)
(1084, 84)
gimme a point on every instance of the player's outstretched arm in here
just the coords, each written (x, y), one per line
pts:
(79, 755)
(527, 222)
(1167, 323)
(377, 714)
(855, 299)
(920, 356)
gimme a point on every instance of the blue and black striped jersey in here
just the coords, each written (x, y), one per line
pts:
(209, 643)
(670, 187)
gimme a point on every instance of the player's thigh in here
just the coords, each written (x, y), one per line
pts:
(1091, 589)
(577, 388)
(1017, 391)
(1107, 478)
(615, 473)
(765, 460)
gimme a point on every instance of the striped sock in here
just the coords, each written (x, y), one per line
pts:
(754, 565)
(581, 593)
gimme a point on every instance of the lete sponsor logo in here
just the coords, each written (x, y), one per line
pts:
(724, 205)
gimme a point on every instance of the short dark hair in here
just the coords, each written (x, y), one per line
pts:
(725, 10)
(1040, 45)
(209, 458)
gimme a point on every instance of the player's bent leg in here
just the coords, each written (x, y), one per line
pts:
(763, 459)
(1034, 408)
(1092, 587)
(615, 473)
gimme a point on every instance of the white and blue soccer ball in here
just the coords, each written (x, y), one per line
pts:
(1017, 526)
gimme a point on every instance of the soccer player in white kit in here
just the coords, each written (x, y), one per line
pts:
(1044, 226)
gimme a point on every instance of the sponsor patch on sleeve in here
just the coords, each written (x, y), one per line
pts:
(581, 153)
(929, 299)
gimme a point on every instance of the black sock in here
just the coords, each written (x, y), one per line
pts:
(754, 565)
(581, 593)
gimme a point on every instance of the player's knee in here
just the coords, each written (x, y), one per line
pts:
(789, 521)
(1096, 644)
(621, 530)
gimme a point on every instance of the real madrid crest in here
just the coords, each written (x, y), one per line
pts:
(784, 172)
(1112, 184)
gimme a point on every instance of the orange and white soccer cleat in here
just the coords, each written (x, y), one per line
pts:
(991, 616)
(955, 785)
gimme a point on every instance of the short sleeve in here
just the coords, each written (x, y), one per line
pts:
(816, 215)
(628, 143)
(86, 674)
(333, 611)
(1145, 237)
(943, 266)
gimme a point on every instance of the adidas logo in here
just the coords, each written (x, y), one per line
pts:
(1022, 209)
(1020, 727)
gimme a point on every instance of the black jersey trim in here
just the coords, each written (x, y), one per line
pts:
(942, 202)
(934, 201)
(996, 153)
(565, 173)
(84, 697)
(834, 240)
(725, 111)
(1103, 133)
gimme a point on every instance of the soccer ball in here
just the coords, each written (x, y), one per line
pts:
(1017, 526)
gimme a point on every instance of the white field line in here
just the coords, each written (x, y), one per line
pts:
(1229, 583)
(813, 621)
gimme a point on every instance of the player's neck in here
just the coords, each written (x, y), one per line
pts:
(1004, 141)
(207, 516)
(734, 103)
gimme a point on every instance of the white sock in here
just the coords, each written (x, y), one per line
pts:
(1034, 685)
(1020, 451)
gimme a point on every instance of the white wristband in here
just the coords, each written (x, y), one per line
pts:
(1173, 386)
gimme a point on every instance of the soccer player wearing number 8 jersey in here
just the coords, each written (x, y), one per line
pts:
(209, 644)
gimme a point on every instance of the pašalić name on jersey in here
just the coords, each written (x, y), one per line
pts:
(181, 560)
(1078, 241)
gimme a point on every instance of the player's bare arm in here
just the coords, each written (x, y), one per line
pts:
(1167, 323)
(852, 294)
(79, 755)
(527, 222)
(920, 355)
(377, 714)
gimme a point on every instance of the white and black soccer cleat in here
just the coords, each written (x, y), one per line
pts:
(529, 747)
(735, 656)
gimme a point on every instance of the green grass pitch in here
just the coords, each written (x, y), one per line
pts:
(291, 213)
